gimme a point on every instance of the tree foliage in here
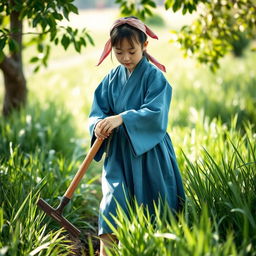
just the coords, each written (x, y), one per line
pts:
(218, 26)
(136, 8)
(42, 18)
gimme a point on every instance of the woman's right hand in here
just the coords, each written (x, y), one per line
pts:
(105, 126)
(99, 133)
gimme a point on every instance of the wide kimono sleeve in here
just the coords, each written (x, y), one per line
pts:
(100, 109)
(146, 127)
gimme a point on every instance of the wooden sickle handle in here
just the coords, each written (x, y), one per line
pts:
(83, 168)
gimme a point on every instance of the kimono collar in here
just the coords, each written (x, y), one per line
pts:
(139, 25)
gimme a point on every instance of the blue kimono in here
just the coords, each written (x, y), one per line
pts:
(140, 161)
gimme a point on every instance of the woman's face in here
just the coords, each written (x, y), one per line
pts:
(129, 55)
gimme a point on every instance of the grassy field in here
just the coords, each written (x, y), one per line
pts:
(212, 125)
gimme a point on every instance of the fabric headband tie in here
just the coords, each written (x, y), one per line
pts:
(139, 25)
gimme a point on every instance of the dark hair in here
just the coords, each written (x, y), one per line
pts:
(129, 32)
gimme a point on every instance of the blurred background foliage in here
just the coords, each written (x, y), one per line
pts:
(218, 28)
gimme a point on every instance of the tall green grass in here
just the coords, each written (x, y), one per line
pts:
(22, 232)
(169, 236)
(220, 212)
(39, 157)
(21, 228)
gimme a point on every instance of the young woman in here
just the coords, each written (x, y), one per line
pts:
(130, 112)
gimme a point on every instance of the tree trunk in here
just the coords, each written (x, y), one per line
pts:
(14, 79)
(15, 89)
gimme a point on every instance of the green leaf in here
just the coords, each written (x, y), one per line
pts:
(176, 6)
(77, 46)
(40, 47)
(57, 16)
(82, 41)
(39, 6)
(13, 45)
(53, 34)
(29, 13)
(1, 8)
(66, 13)
(70, 31)
(75, 31)
(43, 23)
(65, 41)
(151, 3)
(2, 43)
(51, 22)
(168, 4)
(148, 11)
(90, 39)
(184, 11)
(56, 41)
(36, 69)
(142, 15)
(46, 56)
(34, 59)
(73, 8)
(36, 20)
(191, 7)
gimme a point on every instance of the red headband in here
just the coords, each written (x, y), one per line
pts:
(139, 25)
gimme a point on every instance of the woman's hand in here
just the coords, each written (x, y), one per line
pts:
(105, 127)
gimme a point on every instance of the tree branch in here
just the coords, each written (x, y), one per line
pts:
(23, 34)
